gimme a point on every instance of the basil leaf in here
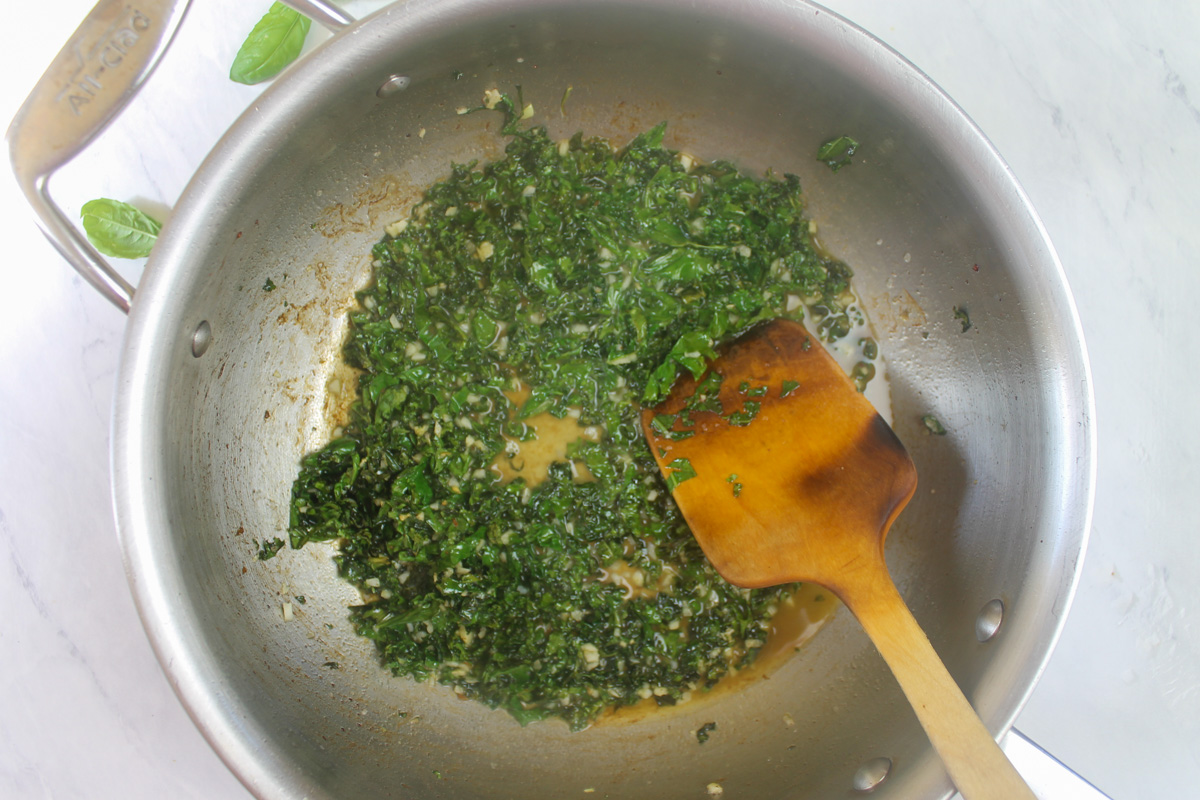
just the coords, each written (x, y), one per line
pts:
(118, 229)
(274, 43)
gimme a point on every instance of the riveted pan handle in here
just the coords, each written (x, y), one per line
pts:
(324, 13)
(92, 78)
(1046, 775)
(88, 84)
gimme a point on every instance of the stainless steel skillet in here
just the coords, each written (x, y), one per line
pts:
(206, 445)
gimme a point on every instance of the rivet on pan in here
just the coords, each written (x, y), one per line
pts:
(871, 774)
(394, 84)
(201, 338)
(989, 619)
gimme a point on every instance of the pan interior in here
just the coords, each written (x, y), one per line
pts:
(299, 190)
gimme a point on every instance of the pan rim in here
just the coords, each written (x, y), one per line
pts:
(156, 323)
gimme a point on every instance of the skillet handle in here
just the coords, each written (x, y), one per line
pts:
(91, 80)
(976, 764)
(324, 13)
(1047, 776)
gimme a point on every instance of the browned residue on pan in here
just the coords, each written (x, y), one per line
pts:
(895, 312)
(335, 298)
(387, 193)
(341, 390)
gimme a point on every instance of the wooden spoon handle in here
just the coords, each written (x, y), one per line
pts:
(976, 764)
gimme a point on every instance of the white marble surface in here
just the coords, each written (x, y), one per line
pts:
(1088, 101)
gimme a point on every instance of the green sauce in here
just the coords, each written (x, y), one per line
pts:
(593, 278)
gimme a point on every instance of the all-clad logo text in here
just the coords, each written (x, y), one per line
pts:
(106, 54)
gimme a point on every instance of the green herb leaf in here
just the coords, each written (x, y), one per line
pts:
(960, 314)
(650, 139)
(707, 394)
(513, 112)
(543, 275)
(663, 426)
(484, 329)
(269, 548)
(659, 382)
(681, 470)
(413, 482)
(118, 229)
(274, 43)
(749, 411)
(693, 351)
(667, 232)
(836, 153)
(663, 423)
(683, 265)
(703, 732)
(788, 387)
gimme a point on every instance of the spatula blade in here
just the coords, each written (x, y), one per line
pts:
(792, 455)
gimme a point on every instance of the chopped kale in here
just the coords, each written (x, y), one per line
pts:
(836, 152)
(594, 278)
(960, 314)
(681, 470)
(744, 417)
(269, 547)
(752, 391)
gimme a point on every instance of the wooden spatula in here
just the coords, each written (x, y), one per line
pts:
(785, 472)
